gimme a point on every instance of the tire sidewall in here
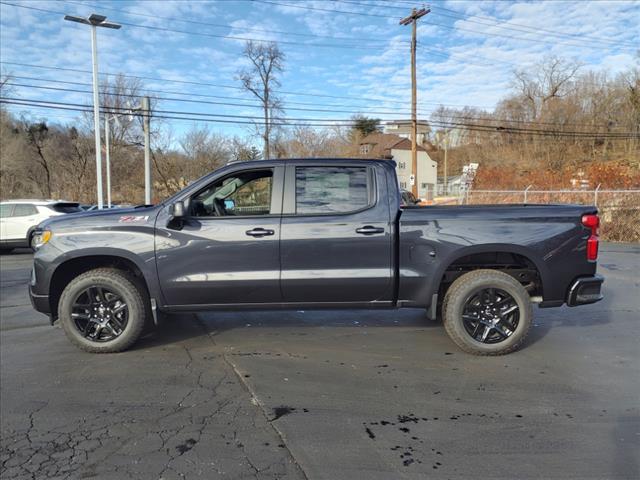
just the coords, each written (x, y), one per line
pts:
(119, 284)
(465, 289)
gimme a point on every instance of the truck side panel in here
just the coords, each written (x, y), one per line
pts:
(432, 238)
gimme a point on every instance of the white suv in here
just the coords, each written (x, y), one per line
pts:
(19, 218)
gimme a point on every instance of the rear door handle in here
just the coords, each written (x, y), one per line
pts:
(260, 232)
(369, 230)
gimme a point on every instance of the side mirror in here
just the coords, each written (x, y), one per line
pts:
(229, 204)
(177, 210)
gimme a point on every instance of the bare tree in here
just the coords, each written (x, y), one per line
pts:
(545, 81)
(205, 150)
(267, 60)
(37, 135)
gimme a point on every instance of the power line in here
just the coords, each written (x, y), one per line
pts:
(234, 87)
(244, 119)
(213, 35)
(200, 95)
(435, 51)
(388, 112)
(495, 22)
(308, 7)
(535, 29)
(231, 104)
(222, 25)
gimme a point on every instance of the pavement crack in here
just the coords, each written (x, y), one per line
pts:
(265, 413)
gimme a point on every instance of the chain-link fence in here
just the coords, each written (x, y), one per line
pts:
(619, 209)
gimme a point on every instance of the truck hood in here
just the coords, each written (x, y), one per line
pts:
(96, 218)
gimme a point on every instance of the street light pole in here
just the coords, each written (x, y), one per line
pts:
(147, 149)
(95, 21)
(96, 113)
(107, 133)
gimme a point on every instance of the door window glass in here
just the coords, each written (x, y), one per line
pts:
(5, 210)
(24, 210)
(245, 193)
(331, 189)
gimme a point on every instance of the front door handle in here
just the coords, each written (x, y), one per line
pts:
(260, 232)
(369, 230)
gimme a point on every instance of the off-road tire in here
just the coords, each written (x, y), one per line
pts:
(118, 281)
(465, 286)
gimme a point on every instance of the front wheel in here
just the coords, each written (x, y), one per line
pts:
(487, 312)
(102, 311)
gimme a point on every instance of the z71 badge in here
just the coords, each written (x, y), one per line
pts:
(133, 218)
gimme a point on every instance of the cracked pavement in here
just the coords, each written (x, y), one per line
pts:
(324, 395)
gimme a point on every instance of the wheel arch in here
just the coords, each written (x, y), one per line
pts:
(79, 264)
(478, 252)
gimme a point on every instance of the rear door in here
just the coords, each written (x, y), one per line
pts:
(336, 238)
(24, 216)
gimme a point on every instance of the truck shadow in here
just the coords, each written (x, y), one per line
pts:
(180, 327)
(545, 320)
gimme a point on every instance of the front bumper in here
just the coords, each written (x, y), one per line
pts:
(585, 290)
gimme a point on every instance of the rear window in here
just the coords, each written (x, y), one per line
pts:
(24, 210)
(66, 207)
(331, 189)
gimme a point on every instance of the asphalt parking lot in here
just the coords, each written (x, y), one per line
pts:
(325, 395)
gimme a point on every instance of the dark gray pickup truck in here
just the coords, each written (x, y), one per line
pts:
(313, 233)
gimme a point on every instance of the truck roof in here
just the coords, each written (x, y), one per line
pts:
(328, 160)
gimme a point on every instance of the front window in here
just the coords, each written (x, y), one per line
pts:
(244, 193)
(331, 189)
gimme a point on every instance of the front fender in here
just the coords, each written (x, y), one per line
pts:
(95, 247)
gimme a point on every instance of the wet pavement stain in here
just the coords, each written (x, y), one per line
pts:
(281, 411)
(186, 446)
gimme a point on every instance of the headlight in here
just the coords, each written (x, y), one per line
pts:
(41, 237)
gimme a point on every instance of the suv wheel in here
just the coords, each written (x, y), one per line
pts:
(103, 311)
(487, 312)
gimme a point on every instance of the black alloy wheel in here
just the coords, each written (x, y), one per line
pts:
(99, 314)
(490, 315)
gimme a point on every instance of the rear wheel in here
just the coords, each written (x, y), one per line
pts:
(103, 311)
(487, 312)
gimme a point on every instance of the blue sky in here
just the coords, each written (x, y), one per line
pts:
(335, 60)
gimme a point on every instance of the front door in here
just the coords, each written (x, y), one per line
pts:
(336, 240)
(226, 250)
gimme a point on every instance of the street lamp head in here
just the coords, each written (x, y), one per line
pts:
(71, 18)
(94, 20)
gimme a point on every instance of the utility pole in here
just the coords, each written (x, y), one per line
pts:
(412, 19)
(95, 21)
(146, 112)
(446, 147)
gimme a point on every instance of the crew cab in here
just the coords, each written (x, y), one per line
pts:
(313, 233)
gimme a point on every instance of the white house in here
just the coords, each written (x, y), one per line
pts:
(393, 147)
